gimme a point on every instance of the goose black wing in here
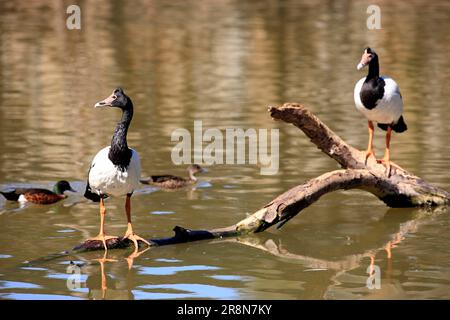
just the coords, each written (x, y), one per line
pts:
(88, 193)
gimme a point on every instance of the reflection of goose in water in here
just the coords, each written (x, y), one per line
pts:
(103, 279)
(118, 293)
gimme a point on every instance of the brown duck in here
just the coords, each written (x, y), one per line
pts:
(39, 196)
(174, 182)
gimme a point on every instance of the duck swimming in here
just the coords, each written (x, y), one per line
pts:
(116, 169)
(379, 99)
(39, 196)
(174, 182)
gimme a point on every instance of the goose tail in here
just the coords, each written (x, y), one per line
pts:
(88, 194)
(400, 126)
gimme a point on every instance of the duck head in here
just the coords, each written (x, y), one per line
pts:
(62, 186)
(117, 99)
(193, 169)
(369, 56)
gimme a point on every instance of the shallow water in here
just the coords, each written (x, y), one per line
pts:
(221, 62)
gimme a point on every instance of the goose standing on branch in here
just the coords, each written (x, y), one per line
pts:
(379, 99)
(116, 169)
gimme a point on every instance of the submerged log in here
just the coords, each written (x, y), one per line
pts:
(398, 188)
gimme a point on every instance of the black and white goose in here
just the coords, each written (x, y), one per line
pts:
(379, 99)
(116, 169)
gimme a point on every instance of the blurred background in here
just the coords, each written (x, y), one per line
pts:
(222, 62)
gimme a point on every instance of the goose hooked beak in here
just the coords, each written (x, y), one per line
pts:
(107, 102)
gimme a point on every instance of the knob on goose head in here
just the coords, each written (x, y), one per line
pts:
(368, 56)
(117, 99)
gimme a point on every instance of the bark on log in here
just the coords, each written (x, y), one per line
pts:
(398, 189)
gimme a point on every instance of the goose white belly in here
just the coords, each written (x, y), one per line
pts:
(107, 178)
(388, 109)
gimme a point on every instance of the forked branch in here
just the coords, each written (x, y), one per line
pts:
(399, 189)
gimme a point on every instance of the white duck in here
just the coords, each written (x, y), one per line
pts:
(116, 169)
(379, 99)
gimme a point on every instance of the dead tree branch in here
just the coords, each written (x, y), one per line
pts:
(399, 189)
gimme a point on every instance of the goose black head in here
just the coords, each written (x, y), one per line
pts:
(117, 99)
(62, 186)
(368, 56)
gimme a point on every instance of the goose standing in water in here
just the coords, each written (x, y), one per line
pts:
(379, 99)
(116, 169)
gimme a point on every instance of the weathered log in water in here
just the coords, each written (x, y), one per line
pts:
(399, 188)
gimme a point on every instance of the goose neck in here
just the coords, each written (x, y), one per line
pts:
(119, 152)
(374, 69)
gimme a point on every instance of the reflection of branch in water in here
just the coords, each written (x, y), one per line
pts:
(92, 263)
(349, 262)
(346, 263)
(341, 266)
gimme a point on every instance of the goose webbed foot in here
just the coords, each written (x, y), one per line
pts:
(387, 164)
(369, 153)
(134, 237)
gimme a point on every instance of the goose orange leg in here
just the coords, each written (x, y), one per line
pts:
(101, 235)
(392, 244)
(370, 151)
(129, 234)
(387, 154)
(372, 264)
